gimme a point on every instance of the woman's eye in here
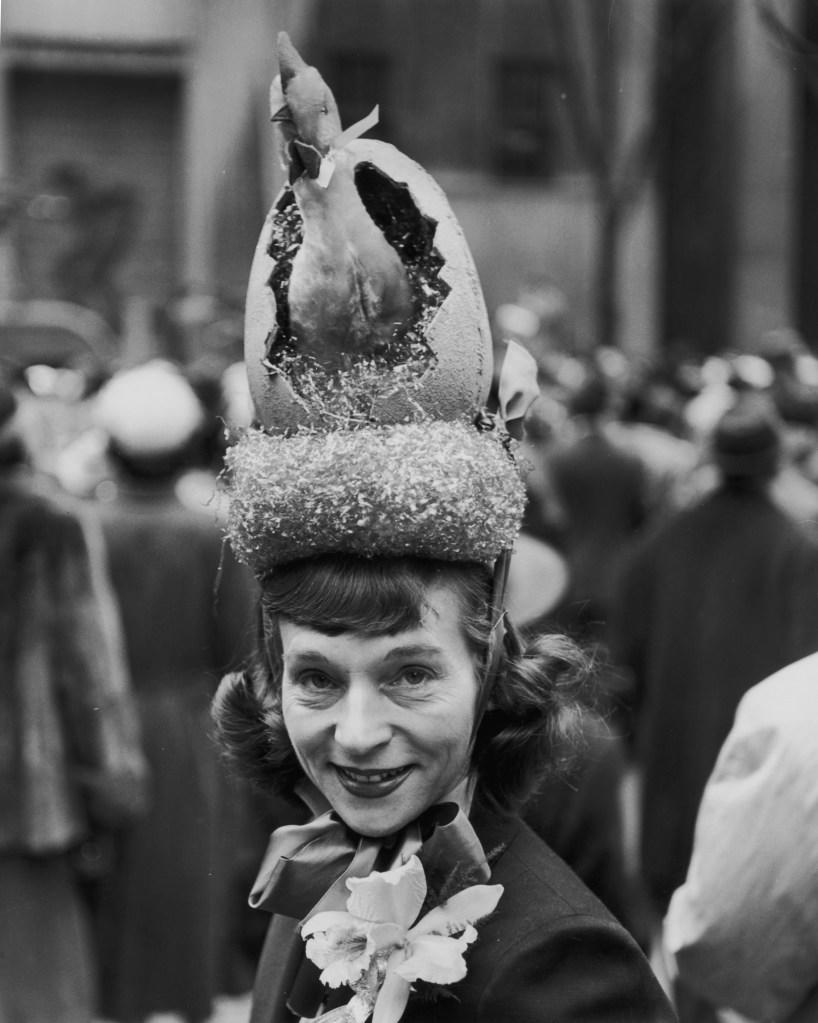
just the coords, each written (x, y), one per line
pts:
(414, 676)
(316, 682)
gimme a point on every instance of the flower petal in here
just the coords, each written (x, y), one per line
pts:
(395, 895)
(327, 921)
(392, 999)
(343, 970)
(455, 913)
(434, 958)
(386, 936)
(342, 954)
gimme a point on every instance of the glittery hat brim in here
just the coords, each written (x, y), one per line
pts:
(442, 490)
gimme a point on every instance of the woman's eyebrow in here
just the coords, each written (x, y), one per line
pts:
(413, 650)
(309, 656)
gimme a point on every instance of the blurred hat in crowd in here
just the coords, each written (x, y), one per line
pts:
(537, 580)
(751, 372)
(747, 439)
(544, 418)
(716, 396)
(797, 403)
(592, 396)
(780, 347)
(150, 411)
(516, 321)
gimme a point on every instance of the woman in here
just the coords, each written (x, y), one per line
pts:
(71, 763)
(166, 901)
(370, 690)
(377, 507)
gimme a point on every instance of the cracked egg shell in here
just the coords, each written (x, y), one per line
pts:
(458, 378)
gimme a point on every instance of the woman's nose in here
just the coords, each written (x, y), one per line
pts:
(362, 724)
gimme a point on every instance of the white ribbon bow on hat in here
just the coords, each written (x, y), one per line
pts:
(518, 387)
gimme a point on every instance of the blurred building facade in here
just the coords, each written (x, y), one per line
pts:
(154, 116)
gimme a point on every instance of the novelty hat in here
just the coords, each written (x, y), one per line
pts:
(369, 359)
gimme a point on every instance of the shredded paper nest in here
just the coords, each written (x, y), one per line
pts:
(435, 489)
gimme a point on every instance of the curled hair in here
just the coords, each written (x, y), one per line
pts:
(535, 710)
(534, 724)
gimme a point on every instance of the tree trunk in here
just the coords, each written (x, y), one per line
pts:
(606, 320)
(697, 108)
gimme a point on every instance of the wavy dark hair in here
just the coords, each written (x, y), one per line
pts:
(533, 721)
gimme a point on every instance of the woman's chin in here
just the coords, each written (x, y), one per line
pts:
(375, 815)
(372, 822)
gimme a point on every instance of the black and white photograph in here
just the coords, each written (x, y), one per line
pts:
(408, 511)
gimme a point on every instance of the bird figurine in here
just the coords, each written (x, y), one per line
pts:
(349, 290)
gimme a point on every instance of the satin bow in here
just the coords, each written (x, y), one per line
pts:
(305, 869)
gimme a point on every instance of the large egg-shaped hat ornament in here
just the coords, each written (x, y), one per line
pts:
(369, 357)
(361, 270)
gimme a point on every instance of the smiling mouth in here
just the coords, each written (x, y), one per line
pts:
(371, 783)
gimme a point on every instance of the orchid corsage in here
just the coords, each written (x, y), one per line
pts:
(379, 947)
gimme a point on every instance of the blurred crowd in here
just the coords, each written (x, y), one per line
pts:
(682, 498)
(672, 525)
(126, 847)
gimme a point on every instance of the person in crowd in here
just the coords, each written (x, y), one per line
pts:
(794, 392)
(601, 491)
(163, 914)
(650, 425)
(71, 765)
(792, 487)
(717, 596)
(740, 932)
(578, 812)
(545, 425)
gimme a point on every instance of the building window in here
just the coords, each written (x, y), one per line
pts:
(359, 82)
(526, 139)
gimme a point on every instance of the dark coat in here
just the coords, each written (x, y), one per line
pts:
(579, 815)
(719, 596)
(550, 952)
(171, 888)
(601, 489)
(69, 745)
(70, 760)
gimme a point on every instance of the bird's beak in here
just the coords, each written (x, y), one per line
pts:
(283, 114)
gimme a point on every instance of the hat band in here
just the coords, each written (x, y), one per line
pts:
(440, 490)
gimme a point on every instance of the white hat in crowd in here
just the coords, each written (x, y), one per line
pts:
(150, 410)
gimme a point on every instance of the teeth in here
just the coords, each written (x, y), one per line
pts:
(372, 776)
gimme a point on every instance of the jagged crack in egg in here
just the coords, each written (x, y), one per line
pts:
(437, 364)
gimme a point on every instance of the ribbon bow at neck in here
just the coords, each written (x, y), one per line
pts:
(306, 866)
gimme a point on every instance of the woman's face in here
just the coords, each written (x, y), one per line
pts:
(382, 724)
